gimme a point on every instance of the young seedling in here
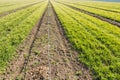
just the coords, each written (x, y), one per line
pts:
(78, 73)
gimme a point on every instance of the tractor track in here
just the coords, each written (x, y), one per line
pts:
(46, 54)
(3, 14)
(113, 22)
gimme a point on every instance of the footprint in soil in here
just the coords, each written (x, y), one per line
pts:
(39, 73)
(38, 78)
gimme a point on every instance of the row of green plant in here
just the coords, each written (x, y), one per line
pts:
(103, 5)
(14, 28)
(11, 5)
(97, 44)
(9, 23)
(99, 4)
(5, 4)
(107, 14)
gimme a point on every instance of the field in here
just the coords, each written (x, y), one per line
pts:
(59, 40)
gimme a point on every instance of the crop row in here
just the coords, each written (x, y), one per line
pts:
(9, 23)
(15, 28)
(98, 8)
(106, 14)
(105, 5)
(96, 41)
(102, 8)
(101, 5)
(11, 6)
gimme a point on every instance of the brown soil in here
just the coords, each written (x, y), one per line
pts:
(17, 9)
(47, 55)
(113, 22)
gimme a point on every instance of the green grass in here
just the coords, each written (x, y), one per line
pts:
(96, 41)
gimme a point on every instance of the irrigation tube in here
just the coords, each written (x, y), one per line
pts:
(48, 25)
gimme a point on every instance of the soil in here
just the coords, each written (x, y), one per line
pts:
(46, 54)
(3, 14)
(113, 22)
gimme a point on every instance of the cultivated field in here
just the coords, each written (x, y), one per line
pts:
(59, 40)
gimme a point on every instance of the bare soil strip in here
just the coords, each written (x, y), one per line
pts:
(48, 55)
(15, 10)
(113, 22)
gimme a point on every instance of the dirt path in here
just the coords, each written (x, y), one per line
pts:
(113, 22)
(49, 56)
(17, 9)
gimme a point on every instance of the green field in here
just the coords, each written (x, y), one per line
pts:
(96, 41)
(7, 5)
(14, 28)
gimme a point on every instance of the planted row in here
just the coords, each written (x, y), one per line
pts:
(97, 44)
(101, 5)
(10, 22)
(16, 30)
(8, 5)
(106, 14)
